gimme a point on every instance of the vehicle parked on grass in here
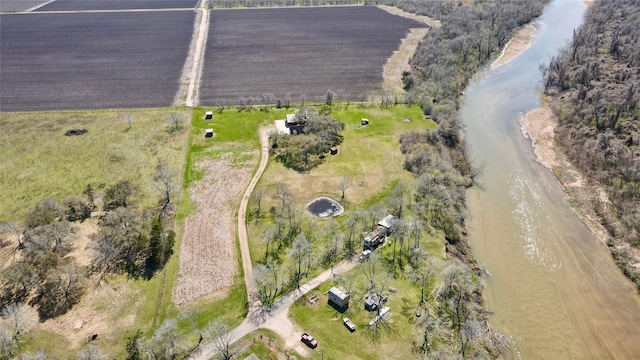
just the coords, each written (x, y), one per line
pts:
(349, 324)
(309, 340)
(364, 256)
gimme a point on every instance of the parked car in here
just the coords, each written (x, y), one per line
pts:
(349, 324)
(309, 341)
(364, 256)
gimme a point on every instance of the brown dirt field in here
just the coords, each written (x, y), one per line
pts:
(399, 61)
(81, 251)
(399, 12)
(207, 249)
(106, 309)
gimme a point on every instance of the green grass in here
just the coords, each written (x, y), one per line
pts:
(112, 151)
(369, 153)
(37, 161)
(337, 342)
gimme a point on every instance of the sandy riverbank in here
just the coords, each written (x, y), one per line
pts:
(520, 42)
(539, 125)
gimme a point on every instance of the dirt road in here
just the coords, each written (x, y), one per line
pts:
(247, 268)
(276, 318)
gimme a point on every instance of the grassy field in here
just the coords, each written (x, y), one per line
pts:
(369, 155)
(38, 161)
(393, 339)
(58, 166)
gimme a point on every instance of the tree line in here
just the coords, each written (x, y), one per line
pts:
(593, 88)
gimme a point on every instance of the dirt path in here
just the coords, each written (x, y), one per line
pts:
(276, 318)
(189, 85)
(242, 219)
(399, 60)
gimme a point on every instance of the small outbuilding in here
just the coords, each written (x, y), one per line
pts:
(291, 120)
(377, 236)
(364, 121)
(208, 115)
(338, 297)
(373, 301)
(208, 133)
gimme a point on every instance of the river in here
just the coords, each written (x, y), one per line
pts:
(553, 287)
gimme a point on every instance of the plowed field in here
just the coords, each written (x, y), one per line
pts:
(92, 60)
(70, 5)
(295, 51)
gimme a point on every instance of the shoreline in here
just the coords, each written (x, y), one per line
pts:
(520, 42)
(539, 126)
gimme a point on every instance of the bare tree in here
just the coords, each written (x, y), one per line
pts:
(269, 281)
(333, 241)
(344, 184)
(128, 119)
(13, 231)
(299, 254)
(7, 342)
(352, 226)
(119, 195)
(90, 193)
(166, 343)
(21, 319)
(92, 352)
(283, 193)
(269, 235)
(222, 335)
(176, 122)
(165, 183)
(422, 275)
(220, 104)
(256, 198)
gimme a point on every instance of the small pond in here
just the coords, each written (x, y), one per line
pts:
(325, 207)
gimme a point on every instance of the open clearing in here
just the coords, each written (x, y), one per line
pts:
(38, 161)
(92, 60)
(288, 52)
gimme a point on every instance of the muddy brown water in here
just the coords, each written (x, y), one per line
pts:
(553, 287)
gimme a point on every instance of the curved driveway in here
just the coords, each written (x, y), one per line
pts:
(276, 317)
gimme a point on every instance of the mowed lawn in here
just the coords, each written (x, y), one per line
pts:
(37, 160)
(369, 158)
(75, 61)
(288, 52)
(70, 5)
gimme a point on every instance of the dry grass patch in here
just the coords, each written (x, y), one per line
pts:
(108, 309)
(207, 250)
(38, 161)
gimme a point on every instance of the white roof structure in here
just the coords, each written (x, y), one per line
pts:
(387, 222)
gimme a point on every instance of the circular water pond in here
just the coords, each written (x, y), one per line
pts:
(325, 207)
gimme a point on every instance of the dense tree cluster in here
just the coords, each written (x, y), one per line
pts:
(593, 84)
(450, 55)
(43, 272)
(316, 134)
